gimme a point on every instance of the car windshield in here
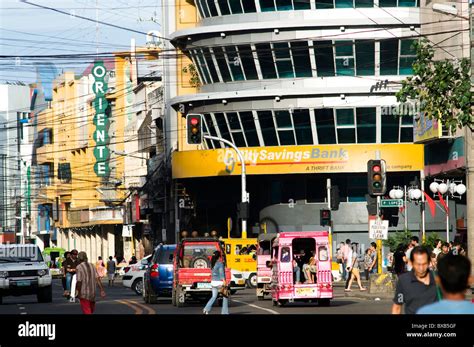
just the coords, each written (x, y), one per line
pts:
(199, 250)
(16, 254)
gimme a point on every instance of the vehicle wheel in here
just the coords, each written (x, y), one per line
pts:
(151, 297)
(274, 303)
(180, 297)
(45, 294)
(324, 302)
(252, 281)
(137, 286)
(146, 296)
(232, 292)
(282, 302)
(200, 263)
(173, 297)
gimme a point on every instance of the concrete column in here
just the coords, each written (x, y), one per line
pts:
(93, 246)
(104, 244)
(88, 248)
(111, 240)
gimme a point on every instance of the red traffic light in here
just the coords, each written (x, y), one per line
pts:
(376, 168)
(194, 121)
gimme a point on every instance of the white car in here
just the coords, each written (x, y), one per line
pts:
(23, 271)
(133, 275)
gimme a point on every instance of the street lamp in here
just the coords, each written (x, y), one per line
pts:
(409, 193)
(453, 189)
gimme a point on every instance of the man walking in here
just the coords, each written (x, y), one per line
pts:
(414, 242)
(415, 288)
(346, 259)
(373, 257)
(87, 279)
(111, 267)
(454, 278)
(70, 270)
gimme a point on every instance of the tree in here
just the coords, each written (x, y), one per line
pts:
(442, 88)
(194, 78)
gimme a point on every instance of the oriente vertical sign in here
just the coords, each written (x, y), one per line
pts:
(101, 121)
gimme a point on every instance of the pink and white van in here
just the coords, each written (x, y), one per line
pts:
(291, 253)
(264, 274)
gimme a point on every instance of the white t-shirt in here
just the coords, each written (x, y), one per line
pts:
(349, 258)
(407, 254)
(437, 251)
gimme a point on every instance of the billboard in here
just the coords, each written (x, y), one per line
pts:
(296, 159)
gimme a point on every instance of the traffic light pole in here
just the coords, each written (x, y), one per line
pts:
(379, 242)
(244, 186)
(328, 187)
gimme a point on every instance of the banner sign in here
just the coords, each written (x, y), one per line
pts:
(101, 121)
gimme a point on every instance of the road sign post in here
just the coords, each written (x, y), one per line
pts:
(378, 229)
(391, 203)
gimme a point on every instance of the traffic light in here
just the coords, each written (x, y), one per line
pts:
(335, 198)
(325, 217)
(390, 214)
(371, 205)
(377, 180)
(194, 129)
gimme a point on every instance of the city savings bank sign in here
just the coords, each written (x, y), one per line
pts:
(296, 159)
(101, 137)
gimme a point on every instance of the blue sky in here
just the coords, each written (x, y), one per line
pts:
(28, 30)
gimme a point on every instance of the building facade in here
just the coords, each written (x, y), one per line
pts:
(15, 161)
(306, 90)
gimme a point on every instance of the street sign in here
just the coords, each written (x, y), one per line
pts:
(378, 229)
(391, 203)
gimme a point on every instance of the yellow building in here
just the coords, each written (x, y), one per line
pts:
(76, 208)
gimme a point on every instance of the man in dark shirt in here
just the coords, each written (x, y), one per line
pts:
(417, 287)
(70, 269)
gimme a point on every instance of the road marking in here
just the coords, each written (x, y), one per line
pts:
(255, 306)
(149, 309)
(137, 310)
(22, 312)
(21, 308)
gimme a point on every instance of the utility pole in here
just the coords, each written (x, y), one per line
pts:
(470, 158)
(328, 187)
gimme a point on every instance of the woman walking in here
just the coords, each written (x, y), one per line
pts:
(353, 270)
(217, 281)
(100, 267)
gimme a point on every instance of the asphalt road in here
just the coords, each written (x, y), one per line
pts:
(121, 300)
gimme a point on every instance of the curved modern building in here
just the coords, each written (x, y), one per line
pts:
(306, 90)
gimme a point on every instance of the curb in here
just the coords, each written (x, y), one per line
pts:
(381, 296)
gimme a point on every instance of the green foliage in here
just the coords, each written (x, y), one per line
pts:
(404, 237)
(442, 88)
(194, 80)
(395, 239)
(430, 240)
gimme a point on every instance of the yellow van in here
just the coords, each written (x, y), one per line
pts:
(241, 255)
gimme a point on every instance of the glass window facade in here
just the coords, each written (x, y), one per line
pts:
(211, 8)
(292, 60)
(294, 127)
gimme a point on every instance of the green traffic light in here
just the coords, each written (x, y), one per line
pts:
(377, 185)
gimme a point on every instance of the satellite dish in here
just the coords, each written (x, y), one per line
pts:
(153, 39)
